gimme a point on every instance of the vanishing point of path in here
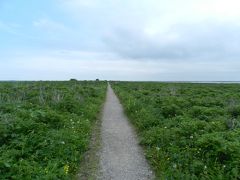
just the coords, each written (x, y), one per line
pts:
(121, 158)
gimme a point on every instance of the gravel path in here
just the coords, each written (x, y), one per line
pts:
(121, 158)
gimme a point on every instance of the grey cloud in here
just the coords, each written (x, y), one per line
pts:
(183, 41)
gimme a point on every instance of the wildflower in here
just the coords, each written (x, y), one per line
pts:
(66, 168)
(191, 137)
(175, 166)
(165, 127)
(205, 167)
(157, 148)
(62, 142)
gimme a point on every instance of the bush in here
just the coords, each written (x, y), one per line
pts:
(44, 134)
(189, 131)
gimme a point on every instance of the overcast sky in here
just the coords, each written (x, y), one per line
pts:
(159, 40)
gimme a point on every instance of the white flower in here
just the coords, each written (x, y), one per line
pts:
(191, 137)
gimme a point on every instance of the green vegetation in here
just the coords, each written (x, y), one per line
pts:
(189, 131)
(45, 127)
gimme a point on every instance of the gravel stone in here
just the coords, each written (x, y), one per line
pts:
(121, 157)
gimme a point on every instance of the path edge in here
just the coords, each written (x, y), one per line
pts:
(137, 136)
(90, 165)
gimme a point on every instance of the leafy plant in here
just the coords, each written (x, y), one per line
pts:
(45, 127)
(189, 131)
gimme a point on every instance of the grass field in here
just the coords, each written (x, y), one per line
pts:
(189, 131)
(45, 127)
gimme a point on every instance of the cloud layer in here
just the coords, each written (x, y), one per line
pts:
(153, 29)
(121, 39)
(185, 41)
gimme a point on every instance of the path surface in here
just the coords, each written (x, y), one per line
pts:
(121, 158)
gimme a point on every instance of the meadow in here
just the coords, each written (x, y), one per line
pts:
(188, 131)
(45, 127)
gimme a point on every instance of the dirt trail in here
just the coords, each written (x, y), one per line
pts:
(121, 158)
